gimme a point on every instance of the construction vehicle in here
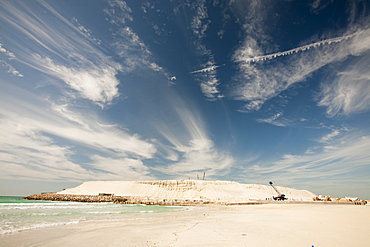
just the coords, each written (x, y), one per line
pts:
(280, 197)
(322, 198)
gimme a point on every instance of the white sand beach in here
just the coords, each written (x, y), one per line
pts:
(248, 225)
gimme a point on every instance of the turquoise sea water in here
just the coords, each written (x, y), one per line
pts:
(17, 214)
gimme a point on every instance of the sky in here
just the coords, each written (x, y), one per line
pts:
(246, 91)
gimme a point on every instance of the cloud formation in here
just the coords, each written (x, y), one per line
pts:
(191, 150)
(209, 81)
(305, 47)
(9, 56)
(336, 159)
(6, 52)
(98, 84)
(262, 77)
(274, 120)
(208, 69)
(129, 46)
(10, 69)
(261, 82)
(347, 93)
(30, 125)
(65, 51)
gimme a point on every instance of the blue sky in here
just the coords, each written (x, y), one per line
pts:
(248, 91)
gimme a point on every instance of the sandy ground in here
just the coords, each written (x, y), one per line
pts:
(253, 225)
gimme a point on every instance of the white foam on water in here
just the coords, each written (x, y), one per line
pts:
(16, 217)
(8, 229)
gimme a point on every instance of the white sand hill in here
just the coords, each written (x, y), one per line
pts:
(212, 191)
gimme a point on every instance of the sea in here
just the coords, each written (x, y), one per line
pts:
(17, 214)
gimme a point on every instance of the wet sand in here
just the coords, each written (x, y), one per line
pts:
(248, 225)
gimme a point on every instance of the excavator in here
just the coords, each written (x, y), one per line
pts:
(280, 197)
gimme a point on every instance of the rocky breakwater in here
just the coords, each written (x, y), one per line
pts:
(77, 198)
(127, 200)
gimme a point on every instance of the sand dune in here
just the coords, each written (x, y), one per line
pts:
(212, 191)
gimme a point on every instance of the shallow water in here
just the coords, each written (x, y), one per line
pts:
(17, 214)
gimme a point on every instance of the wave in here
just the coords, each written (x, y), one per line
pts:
(35, 226)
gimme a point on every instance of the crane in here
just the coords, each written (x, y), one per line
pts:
(280, 197)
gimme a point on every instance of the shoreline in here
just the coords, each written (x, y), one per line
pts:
(131, 200)
(253, 225)
(168, 202)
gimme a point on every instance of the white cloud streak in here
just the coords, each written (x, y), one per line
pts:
(10, 69)
(208, 69)
(63, 51)
(31, 126)
(274, 120)
(349, 154)
(129, 46)
(337, 160)
(191, 150)
(40, 157)
(329, 137)
(208, 81)
(259, 83)
(122, 168)
(305, 47)
(348, 92)
(9, 54)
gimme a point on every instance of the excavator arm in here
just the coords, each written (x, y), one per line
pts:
(280, 197)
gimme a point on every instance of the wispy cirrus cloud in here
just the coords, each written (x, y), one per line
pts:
(9, 56)
(34, 127)
(10, 69)
(347, 155)
(62, 50)
(208, 69)
(261, 80)
(334, 134)
(348, 93)
(6, 52)
(318, 5)
(305, 47)
(128, 45)
(276, 120)
(66, 123)
(267, 81)
(41, 158)
(190, 149)
(121, 168)
(200, 21)
(88, 34)
(209, 82)
(339, 159)
(119, 12)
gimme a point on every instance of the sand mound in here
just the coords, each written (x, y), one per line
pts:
(212, 191)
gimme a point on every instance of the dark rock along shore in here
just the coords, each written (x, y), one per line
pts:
(108, 198)
(122, 199)
(77, 198)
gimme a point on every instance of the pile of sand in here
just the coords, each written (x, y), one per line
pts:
(212, 191)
